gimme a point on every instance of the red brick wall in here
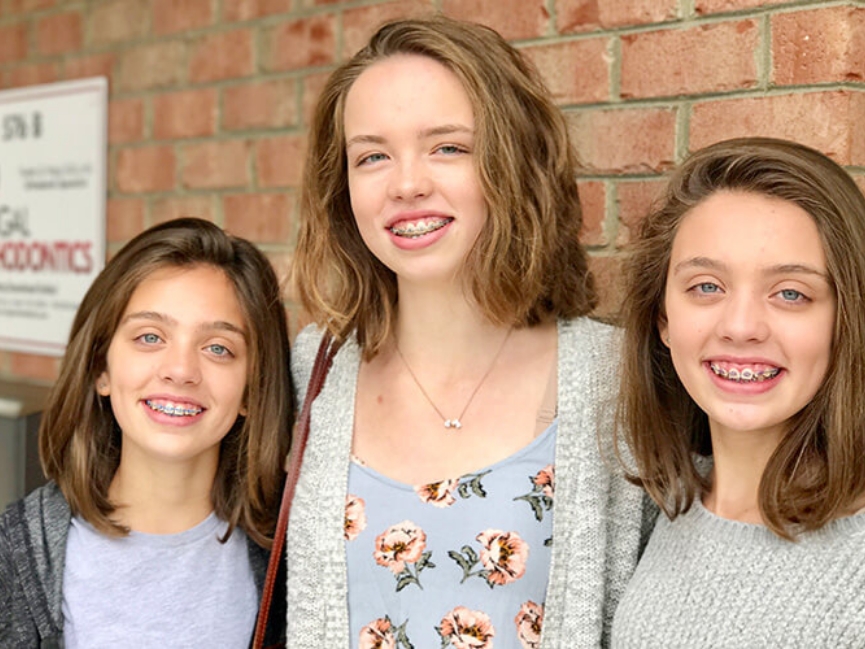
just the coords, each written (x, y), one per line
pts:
(209, 99)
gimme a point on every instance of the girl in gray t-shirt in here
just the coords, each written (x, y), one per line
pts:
(163, 440)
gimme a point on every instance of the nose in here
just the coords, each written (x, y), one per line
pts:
(744, 318)
(410, 180)
(180, 364)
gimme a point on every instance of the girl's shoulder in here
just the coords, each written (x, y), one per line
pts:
(586, 341)
(303, 353)
(45, 503)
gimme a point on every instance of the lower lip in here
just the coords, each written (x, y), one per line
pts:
(417, 243)
(743, 387)
(170, 420)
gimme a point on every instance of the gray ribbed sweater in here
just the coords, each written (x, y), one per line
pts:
(705, 581)
(598, 522)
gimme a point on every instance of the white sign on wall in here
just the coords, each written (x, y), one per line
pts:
(53, 142)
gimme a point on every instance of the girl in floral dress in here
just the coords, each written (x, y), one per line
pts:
(452, 492)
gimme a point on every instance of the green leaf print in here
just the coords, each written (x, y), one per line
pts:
(467, 559)
(401, 637)
(408, 577)
(537, 500)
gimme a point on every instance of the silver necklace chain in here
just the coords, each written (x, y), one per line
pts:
(455, 423)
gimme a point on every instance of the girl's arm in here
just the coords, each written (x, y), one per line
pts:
(6, 579)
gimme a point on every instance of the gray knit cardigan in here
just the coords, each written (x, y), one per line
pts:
(600, 522)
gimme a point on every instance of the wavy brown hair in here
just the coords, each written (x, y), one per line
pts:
(79, 439)
(527, 265)
(817, 472)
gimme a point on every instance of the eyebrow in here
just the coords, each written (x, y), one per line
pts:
(155, 316)
(444, 129)
(777, 269)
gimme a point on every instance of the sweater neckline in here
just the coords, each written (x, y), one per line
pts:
(844, 526)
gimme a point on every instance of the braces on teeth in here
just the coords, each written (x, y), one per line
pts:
(415, 230)
(745, 375)
(176, 411)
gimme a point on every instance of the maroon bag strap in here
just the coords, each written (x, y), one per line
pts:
(323, 361)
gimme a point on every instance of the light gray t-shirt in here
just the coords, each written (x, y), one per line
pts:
(157, 591)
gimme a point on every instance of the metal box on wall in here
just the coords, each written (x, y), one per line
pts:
(20, 408)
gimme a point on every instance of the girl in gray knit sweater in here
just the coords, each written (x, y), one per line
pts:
(745, 306)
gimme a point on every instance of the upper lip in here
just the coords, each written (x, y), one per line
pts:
(173, 398)
(415, 216)
(737, 360)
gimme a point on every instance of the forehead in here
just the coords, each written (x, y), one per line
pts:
(197, 292)
(406, 87)
(744, 227)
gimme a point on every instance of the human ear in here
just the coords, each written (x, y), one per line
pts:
(664, 331)
(103, 387)
(243, 410)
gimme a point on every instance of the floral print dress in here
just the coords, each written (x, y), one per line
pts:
(460, 563)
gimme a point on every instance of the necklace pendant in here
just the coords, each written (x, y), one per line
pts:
(453, 423)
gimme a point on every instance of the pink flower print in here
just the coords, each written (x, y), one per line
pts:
(355, 517)
(466, 629)
(546, 480)
(438, 494)
(503, 555)
(400, 544)
(529, 621)
(378, 634)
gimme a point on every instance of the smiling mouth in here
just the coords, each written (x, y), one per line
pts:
(745, 375)
(415, 229)
(173, 409)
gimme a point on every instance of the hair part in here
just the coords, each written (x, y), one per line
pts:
(79, 439)
(816, 473)
(527, 265)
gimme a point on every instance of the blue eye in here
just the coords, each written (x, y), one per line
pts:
(150, 339)
(708, 287)
(450, 149)
(371, 158)
(219, 350)
(791, 295)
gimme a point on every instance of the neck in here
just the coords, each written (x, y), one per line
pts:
(160, 498)
(444, 328)
(740, 459)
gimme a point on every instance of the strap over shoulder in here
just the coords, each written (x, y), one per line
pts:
(276, 566)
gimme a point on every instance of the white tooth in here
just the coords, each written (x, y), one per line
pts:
(417, 229)
(747, 374)
(173, 410)
(733, 374)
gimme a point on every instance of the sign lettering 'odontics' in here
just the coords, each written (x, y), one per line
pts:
(52, 208)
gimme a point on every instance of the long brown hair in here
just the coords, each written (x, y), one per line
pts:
(79, 440)
(817, 472)
(527, 266)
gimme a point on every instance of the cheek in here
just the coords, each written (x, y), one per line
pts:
(816, 340)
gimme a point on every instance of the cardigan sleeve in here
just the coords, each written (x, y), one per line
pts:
(303, 357)
(6, 583)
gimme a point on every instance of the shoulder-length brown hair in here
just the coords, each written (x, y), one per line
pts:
(527, 266)
(818, 469)
(79, 439)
